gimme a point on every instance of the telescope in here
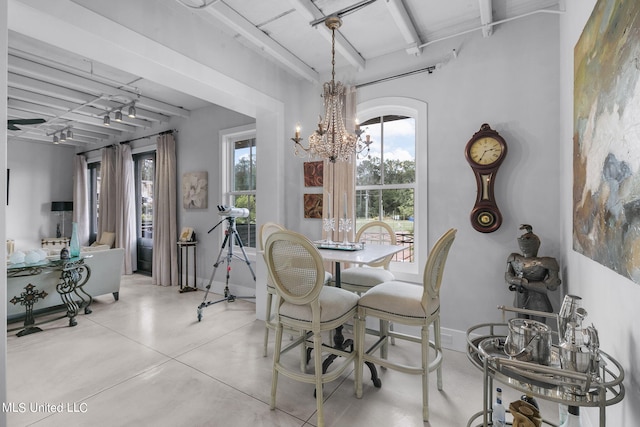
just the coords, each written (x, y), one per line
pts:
(233, 212)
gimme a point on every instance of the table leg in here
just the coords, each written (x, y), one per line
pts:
(70, 276)
(340, 343)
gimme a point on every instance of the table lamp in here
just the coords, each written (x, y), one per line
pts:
(61, 208)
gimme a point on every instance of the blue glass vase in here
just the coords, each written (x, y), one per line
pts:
(74, 245)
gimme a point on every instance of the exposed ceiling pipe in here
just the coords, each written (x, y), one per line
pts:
(502, 21)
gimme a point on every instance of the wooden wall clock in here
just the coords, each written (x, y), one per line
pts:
(485, 151)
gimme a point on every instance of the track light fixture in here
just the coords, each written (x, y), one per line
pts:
(107, 120)
(118, 116)
(132, 111)
(65, 134)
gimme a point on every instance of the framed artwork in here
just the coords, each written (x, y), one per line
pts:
(313, 173)
(194, 190)
(606, 138)
(313, 206)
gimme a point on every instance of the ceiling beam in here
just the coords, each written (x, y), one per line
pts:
(115, 129)
(246, 29)
(311, 12)
(486, 17)
(401, 17)
(35, 70)
(48, 141)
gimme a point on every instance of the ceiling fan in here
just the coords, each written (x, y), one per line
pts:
(11, 124)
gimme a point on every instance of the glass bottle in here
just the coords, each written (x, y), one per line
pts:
(498, 413)
(74, 245)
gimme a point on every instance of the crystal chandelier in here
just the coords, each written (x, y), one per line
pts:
(331, 140)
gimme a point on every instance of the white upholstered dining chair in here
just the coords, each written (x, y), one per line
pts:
(266, 230)
(304, 303)
(361, 278)
(407, 304)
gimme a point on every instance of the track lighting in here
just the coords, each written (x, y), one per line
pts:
(55, 139)
(69, 134)
(63, 137)
(132, 111)
(107, 120)
(118, 116)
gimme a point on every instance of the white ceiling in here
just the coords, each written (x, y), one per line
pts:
(66, 89)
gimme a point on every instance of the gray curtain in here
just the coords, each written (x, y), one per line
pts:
(125, 207)
(107, 215)
(165, 234)
(117, 201)
(81, 199)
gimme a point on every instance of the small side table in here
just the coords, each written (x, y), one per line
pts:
(183, 266)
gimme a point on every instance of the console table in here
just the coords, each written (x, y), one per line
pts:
(550, 383)
(183, 265)
(74, 273)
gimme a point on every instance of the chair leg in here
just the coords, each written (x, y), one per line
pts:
(267, 321)
(317, 350)
(425, 373)
(303, 353)
(276, 361)
(384, 332)
(360, 326)
(437, 337)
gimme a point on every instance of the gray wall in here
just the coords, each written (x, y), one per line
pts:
(610, 299)
(39, 174)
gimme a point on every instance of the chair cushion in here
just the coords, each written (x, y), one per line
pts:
(334, 303)
(399, 298)
(365, 276)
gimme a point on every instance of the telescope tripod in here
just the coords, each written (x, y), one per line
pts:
(231, 235)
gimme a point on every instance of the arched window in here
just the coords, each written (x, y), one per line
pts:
(387, 177)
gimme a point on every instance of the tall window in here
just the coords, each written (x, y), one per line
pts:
(386, 179)
(145, 177)
(94, 199)
(240, 183)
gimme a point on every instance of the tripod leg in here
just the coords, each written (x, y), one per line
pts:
(213, 274)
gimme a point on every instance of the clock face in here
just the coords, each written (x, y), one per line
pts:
(485, 151)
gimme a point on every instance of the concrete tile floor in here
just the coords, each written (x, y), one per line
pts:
(146, 360)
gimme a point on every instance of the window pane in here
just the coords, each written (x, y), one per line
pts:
(246, 226)
(368, 167)
(244, 164)
(398, 208)
(147, 174)
(399, 151)
(367, 205)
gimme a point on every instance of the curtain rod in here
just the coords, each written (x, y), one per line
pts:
(164, 132)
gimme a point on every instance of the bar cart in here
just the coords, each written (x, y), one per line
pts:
(485, 350)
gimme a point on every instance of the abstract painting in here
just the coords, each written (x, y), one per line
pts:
(313, 173)
(194, 190)
(606, 138)
(313, 206)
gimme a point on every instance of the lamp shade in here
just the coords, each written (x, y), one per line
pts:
(61, 206)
